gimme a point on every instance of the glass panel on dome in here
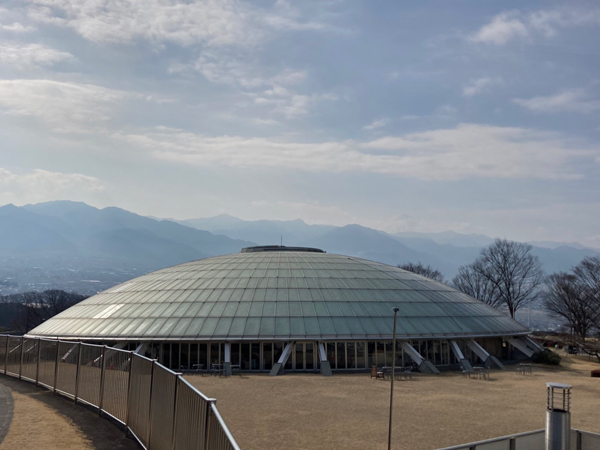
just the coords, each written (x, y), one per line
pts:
(354, 325)
(326, 325)
(223, 326)
(297, 326)
(321, 309)
(167, 327)
(311, 325)
(237, 327)
(256, 309)
(268, 309)
(341, 327)
(308, 309)
(282, 326)
(195, 326)
(243, 309)
(334, 309)
(252, 326)
(295, 309)
(230, 310)
(182, 309)
(180, 328)
(209, 327)
(217, 310)
(283, 309)
(267, 326)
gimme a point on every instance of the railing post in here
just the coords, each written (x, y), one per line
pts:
(6, 356)
(56, 365)
(21, 357)
(175, 413)
(102, 369)
(37, 367)
(207, 424)
(77, 370)
(128, 394)
(150, 404)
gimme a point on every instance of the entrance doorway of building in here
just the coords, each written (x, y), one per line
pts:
(304, 356)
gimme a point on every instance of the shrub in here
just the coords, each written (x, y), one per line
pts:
(546, 357)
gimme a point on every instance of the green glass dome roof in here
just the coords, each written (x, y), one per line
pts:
(278, 294)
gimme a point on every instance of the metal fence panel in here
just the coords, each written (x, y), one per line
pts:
(116, 382)
(67, 367)
(500, 445)
(191, 418)
(3, 353)
(47, 363)
(589, 441)
(29, 359)
(162, 408)
(219, 437)
(140, 388)
(90, 374)
(13, 360)
(528, 442)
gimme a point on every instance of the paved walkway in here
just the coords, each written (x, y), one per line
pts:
(6, 411)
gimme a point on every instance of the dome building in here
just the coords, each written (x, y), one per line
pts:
(276, 308)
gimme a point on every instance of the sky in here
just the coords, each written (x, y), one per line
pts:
(476, 117)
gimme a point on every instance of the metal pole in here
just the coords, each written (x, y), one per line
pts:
(37, 368)
(21, 357)
(149, 436)
(6, 356)
(128, 394)
(393, 376)
(174, 429)
(102, 368)
(56, 365)
(77, 372)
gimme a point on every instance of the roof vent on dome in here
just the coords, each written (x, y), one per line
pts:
(280, 248)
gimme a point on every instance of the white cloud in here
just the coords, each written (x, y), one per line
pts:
(16, 27)
(42, 185)
(517, 25)
(218, 22)
(466, 151)
(67, 107)
(479, 86)
(30, 55)
(574, 100)
(377, 124)
(502, 28)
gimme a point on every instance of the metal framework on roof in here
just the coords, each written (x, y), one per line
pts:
(278, 294)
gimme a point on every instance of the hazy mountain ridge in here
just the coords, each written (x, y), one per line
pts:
(67, 244)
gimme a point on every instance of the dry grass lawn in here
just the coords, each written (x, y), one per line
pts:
(308, 411)
(36, 426)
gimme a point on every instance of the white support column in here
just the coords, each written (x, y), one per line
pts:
(70, 355)
(414, 354)
(279, 365)
(533, 344)
(464, 363)
(424, 365)
(520, 345)
(325, 366)
(141, 349)
(487, 359)
(478, 350)
(227, 362)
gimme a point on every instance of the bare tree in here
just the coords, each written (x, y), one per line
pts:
(576, 296)
(513, 271)
(471, 281)
(426, 271)
(566, 297)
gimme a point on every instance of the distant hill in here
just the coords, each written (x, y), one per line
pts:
(76, 247)
(445, 251)
(75, 236)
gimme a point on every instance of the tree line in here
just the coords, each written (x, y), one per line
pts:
(26, 310)
(506, 275)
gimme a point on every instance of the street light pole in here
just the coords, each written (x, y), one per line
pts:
(393, 376)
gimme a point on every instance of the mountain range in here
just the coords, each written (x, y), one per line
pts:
(61, 244)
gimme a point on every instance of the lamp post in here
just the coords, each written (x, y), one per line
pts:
(393, 376)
